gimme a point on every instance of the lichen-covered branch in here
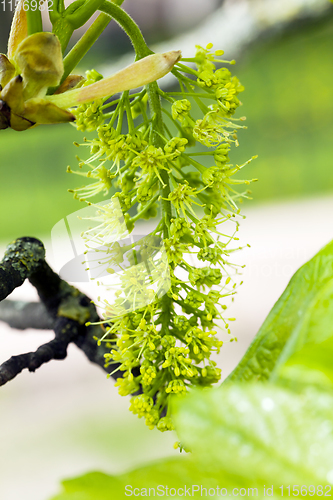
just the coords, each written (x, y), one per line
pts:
(21, 259)
(67, 309)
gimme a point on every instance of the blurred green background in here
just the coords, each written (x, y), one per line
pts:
(288, 102)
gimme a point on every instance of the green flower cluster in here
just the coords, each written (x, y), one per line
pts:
(163, 337)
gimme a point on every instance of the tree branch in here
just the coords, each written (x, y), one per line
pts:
(55, 349)
(68, 309)
(21, 258)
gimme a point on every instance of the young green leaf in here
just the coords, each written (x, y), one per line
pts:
(303, 316)
(91, 486)
(167, 477)
(311, 365)
(261, 432)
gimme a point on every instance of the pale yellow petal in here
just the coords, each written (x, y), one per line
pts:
(19, 123)
(44, 112)
(140, 73)
(12, 94)
(39, 60)
(18, 31)
(7, 70)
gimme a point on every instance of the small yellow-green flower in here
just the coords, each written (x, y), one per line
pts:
(34, 64)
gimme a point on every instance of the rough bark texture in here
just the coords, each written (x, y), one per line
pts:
(63, 308)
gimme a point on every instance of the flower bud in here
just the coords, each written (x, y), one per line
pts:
(140, 73)
(39, 59)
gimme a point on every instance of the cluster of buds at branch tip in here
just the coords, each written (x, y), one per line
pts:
(34, 64)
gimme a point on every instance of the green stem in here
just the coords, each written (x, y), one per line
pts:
(78, 14)
(64, 24)
(187, 69)
(203, 153)
(34, 20)
(120, 116)
(85, 43)
(145, 208)
(58, 8)
(63, 29)
(192, 94)
(166, 96)
(157, 132)
(113, 103)
(130, 122)
(142, 50)
(115, 113)
(182, 79)
(195, 164)
(172, 120)
(204, 109)
(75, 16)
(129, 26)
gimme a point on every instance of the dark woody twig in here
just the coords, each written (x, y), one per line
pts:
(55, 349)
(68, 309)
